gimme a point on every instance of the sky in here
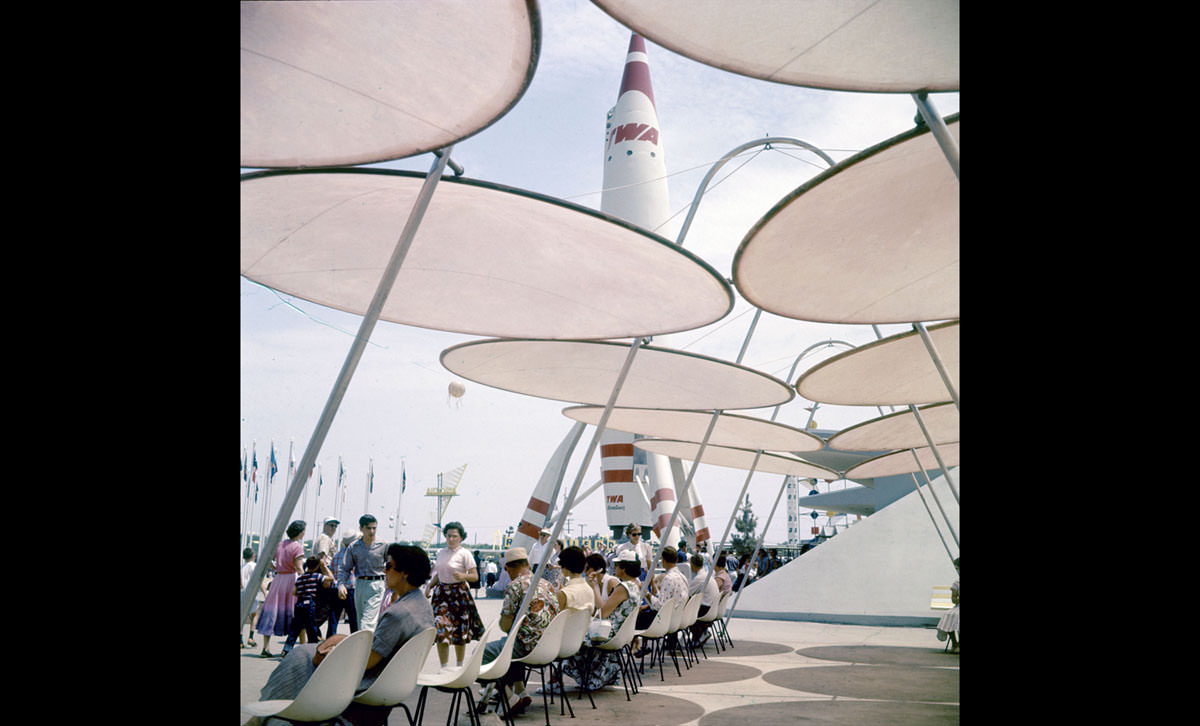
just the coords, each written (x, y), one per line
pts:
(398, 415)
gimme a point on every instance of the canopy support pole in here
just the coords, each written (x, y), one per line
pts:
(938, 127)
(933, 447)
(587, 459)
(266, 551)
(937, 361)
(757, 547)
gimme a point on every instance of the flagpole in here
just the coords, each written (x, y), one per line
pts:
(367, 489)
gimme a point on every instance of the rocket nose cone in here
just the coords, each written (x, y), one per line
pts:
(637, 70)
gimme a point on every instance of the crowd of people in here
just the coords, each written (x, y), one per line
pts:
(396, 591)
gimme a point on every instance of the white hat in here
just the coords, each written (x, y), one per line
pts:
(545, 531)
(333, 520)
(626, 556)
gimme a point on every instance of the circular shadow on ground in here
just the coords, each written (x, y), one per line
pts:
(888, 682)
(883, 655)
(835, 713)
(611, 708)
(707, 671)
(746, 647)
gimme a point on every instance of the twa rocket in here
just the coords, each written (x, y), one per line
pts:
(635, 189)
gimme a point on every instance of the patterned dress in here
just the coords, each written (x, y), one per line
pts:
(604, 667)
(454, 612)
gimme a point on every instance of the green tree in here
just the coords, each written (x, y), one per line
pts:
(743, 542)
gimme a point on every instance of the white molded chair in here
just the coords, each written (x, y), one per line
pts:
(620, 644)
(691, 610)
(492, 672)
(457, 681)
(710, 619)
(545, 653)
(330, 689)
(575, 631)
(658, 628)
(398, 680)
(723, 607)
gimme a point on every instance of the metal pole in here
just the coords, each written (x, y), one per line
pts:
(937, 361)
(917, 486)
(933, 447)
(757, 546)
(386, 282)
(758, 454)
(723, 160)
(587, 459)
(938, 127)
(936, 501)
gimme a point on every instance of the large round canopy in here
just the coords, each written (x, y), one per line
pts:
(901, 462)
(735, 458)
(874, 239)
(339, 83)
(486, 260)
(895, 371)
(901, 430)
(850, 45)
(730, 430)
(587, 372)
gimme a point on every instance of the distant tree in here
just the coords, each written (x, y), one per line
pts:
(746, 524)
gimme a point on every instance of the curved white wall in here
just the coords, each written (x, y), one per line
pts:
(880, 571)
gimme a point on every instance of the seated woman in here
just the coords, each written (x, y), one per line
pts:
(602, 666)
(948, 624)
(406, 569)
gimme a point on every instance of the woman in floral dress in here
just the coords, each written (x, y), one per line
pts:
(603, 666)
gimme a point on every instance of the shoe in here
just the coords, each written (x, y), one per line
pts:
(643, 651)
(555, 686)
(703, 639)
(519, 707)
(266, 654)
(251, 644)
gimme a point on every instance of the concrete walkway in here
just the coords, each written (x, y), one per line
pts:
(778, 672)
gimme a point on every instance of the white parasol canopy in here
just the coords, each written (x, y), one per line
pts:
(735, 458)
(901, 462)
(894, 371)
(730, 430)
(849, 45)
(486, 260)
(901, 430)
(340, 83)
(587, 371)
(872, 240)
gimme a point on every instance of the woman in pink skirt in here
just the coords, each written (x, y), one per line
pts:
(454, 613)
(277, 609)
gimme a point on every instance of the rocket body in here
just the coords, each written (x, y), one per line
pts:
(635, 190)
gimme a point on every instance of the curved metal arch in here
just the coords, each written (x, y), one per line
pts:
(766, 141)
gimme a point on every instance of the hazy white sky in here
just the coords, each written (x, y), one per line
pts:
(397, 409)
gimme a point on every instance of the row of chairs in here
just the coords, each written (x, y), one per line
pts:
(670, 632)
(332, 687)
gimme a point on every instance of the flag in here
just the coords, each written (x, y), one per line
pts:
(291, 464)
(254, 475)
(403, 478)
(320, 481)
(341, 472)
(370, 476)
(274, 467)
(243, 463)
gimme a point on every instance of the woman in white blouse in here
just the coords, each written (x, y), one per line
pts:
(454, 613)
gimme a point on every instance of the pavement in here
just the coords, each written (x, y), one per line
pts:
(777, 672)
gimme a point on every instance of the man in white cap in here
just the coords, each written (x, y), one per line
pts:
(543, 606)
(326, 545)
(535, 552)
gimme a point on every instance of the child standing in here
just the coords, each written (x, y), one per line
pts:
(316, 574)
